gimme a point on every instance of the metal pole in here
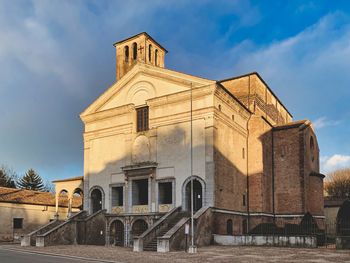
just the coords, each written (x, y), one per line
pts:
(192, 248)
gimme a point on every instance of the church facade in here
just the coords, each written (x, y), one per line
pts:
(156, 130)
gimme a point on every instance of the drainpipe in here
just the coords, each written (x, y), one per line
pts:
(247, 157)
(273, 177)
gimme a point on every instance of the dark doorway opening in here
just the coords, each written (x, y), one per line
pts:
(96, 200)
(197, 195)
(343, 220)
(140, 192)
(117, 233)
(139, 227)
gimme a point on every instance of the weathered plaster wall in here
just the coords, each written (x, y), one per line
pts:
(33, 216)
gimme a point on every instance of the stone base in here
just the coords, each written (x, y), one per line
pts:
(192, 249)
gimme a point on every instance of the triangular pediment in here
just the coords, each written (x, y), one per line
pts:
(141, 83)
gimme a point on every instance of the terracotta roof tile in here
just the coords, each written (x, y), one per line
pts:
(21, 196)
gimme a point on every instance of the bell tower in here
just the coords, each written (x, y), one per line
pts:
(139, 48)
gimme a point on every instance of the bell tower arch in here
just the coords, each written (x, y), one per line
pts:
(138, 48)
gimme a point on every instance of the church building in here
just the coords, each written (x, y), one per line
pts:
(156, 130)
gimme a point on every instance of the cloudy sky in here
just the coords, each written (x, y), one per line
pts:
(56, 57)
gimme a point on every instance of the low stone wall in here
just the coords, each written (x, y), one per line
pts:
(257, 240)
(204, 221)
(342, 242)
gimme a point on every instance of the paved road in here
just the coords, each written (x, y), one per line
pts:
(11, 256)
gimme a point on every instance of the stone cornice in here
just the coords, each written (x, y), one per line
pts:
(106, 132)
(182, 95)
(107, 113)
(182, 117)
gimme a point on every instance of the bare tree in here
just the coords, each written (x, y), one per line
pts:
(8, 177)
(49, 187)
(338, 183)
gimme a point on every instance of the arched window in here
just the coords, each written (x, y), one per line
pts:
(219, 107)
(134, 51)
(229, 226)
(156, 57)
(244, 226)
(126, 53)
(150, 52)
(312, 148)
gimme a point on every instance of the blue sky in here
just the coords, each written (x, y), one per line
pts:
(56, 57)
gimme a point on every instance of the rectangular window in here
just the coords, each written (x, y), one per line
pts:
(165, 193)
(117, 196)
(243, 153)
(243, 200)
(17, 223)
(142, 119)
(140, 192)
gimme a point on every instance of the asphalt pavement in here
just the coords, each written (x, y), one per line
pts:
(17, 256)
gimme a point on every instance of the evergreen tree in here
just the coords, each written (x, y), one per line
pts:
(31, 181)
(7, 177)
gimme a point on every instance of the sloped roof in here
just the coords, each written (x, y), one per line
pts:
(21, 196)
(290, 125)
(263, 81)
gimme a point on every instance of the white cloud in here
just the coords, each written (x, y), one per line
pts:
(324, 122)
(308, 71)
(334, 162)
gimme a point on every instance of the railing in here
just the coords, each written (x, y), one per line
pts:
(174, 239)
(151, 233)
(203, 226)
(29, 239)
(48, 237)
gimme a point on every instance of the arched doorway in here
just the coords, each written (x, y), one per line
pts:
(343, 219)
(308, 224)
(117, 233)
(197, 195)
(96, 200)
(138, 227)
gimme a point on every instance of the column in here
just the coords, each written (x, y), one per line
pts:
(70, 199)
(57, 197)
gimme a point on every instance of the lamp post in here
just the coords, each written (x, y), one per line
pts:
(192, 248)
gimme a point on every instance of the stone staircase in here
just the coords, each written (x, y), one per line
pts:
(152, 245)
(30, 239)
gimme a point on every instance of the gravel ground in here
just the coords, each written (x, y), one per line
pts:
(205, 254)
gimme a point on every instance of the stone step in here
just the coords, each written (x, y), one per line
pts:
(152, 245)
